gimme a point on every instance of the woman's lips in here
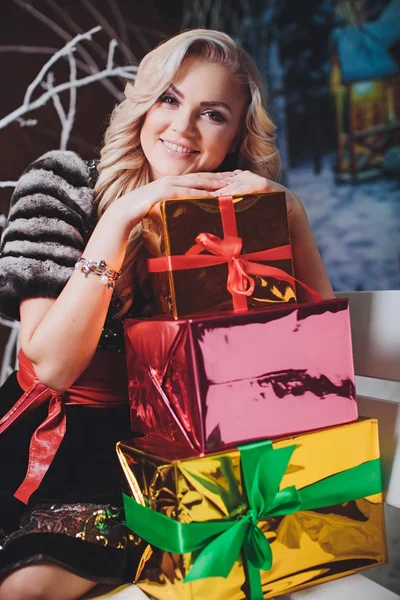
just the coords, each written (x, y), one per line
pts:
(178, 151)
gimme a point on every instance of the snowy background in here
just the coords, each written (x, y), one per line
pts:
(357, 227)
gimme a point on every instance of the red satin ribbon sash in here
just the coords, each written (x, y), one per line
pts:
(228, 250)
(97, 387)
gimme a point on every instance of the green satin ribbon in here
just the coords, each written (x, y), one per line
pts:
(220, 542)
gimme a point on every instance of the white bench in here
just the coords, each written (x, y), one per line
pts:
(376, 339)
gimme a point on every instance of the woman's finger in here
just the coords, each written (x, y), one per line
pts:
(178, 193)
(201, 183)
(196, 177)
(189, 192)
(231, 190)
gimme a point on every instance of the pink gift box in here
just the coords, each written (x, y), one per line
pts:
(217, 381)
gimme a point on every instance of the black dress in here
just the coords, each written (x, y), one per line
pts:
(74, 519)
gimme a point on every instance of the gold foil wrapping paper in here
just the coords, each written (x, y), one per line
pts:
(308, 547)
(262, 224)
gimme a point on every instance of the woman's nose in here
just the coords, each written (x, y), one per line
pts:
(184, 123)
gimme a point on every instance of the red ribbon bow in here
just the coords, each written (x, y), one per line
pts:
(239, 282)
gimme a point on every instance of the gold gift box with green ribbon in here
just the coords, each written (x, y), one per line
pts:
(256, 521)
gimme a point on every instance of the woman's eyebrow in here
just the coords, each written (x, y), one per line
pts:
(216, 103)
(177, 92)
(205, 102)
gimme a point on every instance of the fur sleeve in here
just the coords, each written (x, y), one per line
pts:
(48, 226)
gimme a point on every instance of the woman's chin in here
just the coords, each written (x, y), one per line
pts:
(174, 170)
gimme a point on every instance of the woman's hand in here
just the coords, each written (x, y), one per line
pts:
(136, 205)
(246, 182)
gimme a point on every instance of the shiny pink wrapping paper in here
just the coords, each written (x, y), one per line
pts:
(213, 382)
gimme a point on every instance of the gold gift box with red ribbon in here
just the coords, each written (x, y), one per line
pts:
(219, 254)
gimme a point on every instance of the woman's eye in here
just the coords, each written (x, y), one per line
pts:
(214, 115)
(168, 99)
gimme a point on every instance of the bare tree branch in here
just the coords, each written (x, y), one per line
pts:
(28, 105)
(66, 125)
(42, 50)
(27, 122)
(111, 51)
(125, 72)
(116, 93)
(49, 85)
(7, 184)
(63, 52)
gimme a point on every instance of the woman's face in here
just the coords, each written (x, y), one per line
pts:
(194, 124)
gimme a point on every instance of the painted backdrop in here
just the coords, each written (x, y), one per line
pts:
(331, 72)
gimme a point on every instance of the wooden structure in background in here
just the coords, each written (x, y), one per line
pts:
(365, 83)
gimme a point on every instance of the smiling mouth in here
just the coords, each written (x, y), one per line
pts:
(177, 148)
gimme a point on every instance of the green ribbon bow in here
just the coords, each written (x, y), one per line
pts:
(220, 542)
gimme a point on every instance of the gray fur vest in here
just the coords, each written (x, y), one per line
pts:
(49, 223)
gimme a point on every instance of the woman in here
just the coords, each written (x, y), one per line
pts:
(195, 109)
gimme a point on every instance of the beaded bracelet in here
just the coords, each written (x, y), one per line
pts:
(107, 276)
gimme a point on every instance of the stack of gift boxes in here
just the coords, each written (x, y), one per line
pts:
(254, 477)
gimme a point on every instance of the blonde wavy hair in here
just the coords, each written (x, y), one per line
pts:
(123, 166)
